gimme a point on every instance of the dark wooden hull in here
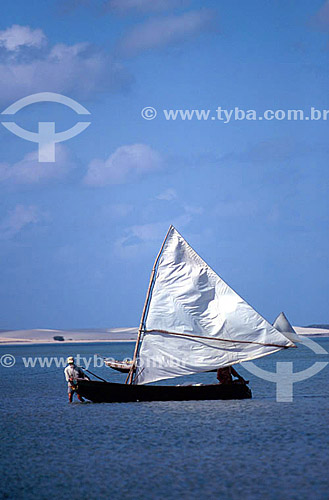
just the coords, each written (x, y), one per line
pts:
(106, 392)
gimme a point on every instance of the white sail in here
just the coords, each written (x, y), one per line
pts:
(283, 325)
(195, 322)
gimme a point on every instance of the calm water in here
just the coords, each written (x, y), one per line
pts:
(253, 449)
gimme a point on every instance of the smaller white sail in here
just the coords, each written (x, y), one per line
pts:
(195, 322)
(283, 325)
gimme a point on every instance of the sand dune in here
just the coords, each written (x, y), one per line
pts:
(45, 336)
(312, 332)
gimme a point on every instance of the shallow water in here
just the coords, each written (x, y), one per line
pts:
(251, 449)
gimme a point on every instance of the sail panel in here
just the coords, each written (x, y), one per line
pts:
(188, 297)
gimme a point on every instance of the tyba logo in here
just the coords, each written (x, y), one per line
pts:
(285, 377)
(46, 137)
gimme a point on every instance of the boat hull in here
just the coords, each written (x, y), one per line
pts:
(119, 366)
(107, 392)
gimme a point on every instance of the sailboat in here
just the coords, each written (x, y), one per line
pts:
(192, 322)
(283, 325)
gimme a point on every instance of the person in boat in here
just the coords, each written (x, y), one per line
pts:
(225, 375)
(72, 373)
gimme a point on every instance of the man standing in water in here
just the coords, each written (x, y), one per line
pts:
(72, 373)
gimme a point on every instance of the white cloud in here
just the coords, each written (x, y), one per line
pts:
(139, 239)
(167, 195)
(121, 210)
(17, 219)
(15, 37)
(171, 195)
(235, 208)
(147, 232)
(30, 171)
(166, 30)
(126, 164)
(78, 69)
(122, 6)
(193, 209)
(279, 150)
(116, 211)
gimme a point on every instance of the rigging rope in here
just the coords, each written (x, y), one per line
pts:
(215, 338)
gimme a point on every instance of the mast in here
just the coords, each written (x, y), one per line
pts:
(129, 379)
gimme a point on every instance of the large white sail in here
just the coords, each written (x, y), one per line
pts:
(195, 322)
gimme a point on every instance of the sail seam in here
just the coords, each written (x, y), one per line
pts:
(215, 338)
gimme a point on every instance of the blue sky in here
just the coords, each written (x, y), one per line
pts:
(78, 237)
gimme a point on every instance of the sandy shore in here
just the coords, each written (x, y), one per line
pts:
(46, 336)
(311, 332)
